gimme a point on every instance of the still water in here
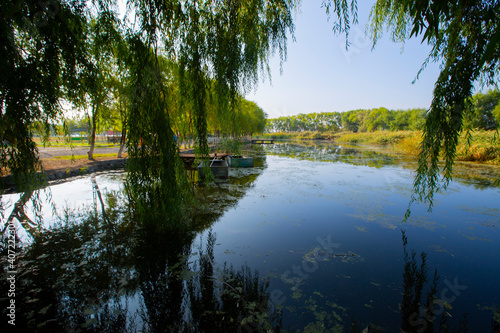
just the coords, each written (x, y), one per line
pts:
(309, 240)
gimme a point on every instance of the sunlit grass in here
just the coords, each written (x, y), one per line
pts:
(378, 137)
(79, 157)
(484, 147)
(67, 143)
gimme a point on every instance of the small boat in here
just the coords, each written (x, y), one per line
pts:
(219, 169)
(238, 161)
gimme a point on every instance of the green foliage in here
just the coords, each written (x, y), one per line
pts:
(345, 14)
(304, 122)
(481, 113)
(230, 145)
(154, 165)
(94, 96)
(234, 40)
(250, 118)
(42, 49)
(351, 121)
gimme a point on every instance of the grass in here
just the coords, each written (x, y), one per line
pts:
(64, 142)
(79, 157)
(376, 138)
(484, 147)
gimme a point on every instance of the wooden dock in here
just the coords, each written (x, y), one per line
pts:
(262, 142)
(188, 158)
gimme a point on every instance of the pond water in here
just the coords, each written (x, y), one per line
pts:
(310, 239)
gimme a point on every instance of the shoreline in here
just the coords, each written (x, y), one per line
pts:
(54, 168)
(58, 169)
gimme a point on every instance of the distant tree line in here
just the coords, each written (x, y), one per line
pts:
(362, 120)
(483, 113)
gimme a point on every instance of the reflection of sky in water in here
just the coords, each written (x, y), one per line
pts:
(74, 194)
(326, 224)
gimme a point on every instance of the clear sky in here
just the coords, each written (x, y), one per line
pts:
(319, 75)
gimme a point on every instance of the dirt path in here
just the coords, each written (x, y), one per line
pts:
(51, 152)
(51, 163)
(60, 168)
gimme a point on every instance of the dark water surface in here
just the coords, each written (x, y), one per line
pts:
(310, 239)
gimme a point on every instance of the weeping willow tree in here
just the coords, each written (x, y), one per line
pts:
(464, 36)
(43, 54)
(152, 177)
(220, 43)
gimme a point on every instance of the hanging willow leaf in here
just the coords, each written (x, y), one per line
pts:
(462, 34)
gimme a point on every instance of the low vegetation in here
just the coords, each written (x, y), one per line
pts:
(484, 145)
(79, 157)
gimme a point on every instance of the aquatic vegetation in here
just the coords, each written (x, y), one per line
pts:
(316, 255)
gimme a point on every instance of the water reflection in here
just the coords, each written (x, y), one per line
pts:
(479, 175)
(103, 270)
(99, 269)
(99, 276)
(326, 152)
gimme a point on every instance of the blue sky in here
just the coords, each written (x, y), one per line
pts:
(321, 76)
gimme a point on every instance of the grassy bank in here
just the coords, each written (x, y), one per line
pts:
(374, 138)
(79, 157)
(484, 147)
(64, 142)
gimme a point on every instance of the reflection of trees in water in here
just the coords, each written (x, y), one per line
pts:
(18, 214)
(79, 276)
(161, 258)
(229, 300)
(85, 273)
(332, 153)
(481, 176)
(63, 279)
(427, 310)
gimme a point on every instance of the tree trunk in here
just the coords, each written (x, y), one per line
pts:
(19, 214)
(123, 139)
(92, 135)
